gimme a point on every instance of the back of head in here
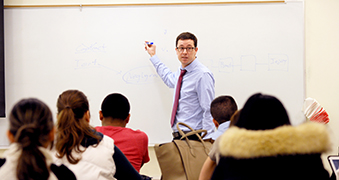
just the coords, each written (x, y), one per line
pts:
(115, 106)
(222, 108)
(187, 35)
(30, 122)
(73, 100)
(262, 112)
(72, 128)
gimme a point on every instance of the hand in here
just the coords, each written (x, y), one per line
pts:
(150, 48)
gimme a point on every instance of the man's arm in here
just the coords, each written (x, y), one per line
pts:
(167, 76)
(206, 93)
(145, 158)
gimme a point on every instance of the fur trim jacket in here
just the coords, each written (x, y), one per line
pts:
(286, 152)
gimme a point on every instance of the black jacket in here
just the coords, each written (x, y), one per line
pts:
(287, 152)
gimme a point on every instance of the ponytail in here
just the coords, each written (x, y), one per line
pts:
(31, 163)
(69, 137)
(30, 123)
(72, 127)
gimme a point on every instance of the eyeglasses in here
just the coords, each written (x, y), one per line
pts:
(188, 49)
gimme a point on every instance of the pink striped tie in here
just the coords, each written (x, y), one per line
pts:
(176, 99)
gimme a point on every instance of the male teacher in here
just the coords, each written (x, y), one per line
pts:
(193, 83)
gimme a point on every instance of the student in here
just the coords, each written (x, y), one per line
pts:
(197, 86)
(114, 116)
(214, 155)
(222, 108)
(263, 145)
(89, 154)
(31, 131)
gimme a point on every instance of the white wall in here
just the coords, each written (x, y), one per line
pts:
(321, 57)
(322, 43)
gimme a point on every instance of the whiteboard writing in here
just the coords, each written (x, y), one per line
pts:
(274, 62)
(140, 75)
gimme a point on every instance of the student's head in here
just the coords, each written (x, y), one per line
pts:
(186, 48)
(73, 123)
(72, 102)
(262, 112)
(31, 126)
(115, 106)
(222, 108)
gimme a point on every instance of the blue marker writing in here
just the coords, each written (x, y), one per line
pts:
(149, 43)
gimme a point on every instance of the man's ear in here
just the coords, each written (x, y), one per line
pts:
(216, 123)
(10, 137)
(101, 116)
(127, 119)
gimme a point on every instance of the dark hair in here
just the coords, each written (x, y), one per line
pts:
(30, 122)
(116, 106)
(262, 112)
(187, 35)
(72, 128)
(234, 118)
(222, 108)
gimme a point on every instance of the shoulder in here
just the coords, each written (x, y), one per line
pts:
(201, 72)
(140, 132)
(136, 133)
(201, 67)
(62, 172)
(107, 141)
(98, 128)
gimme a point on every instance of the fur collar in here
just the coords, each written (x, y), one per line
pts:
(307, 138)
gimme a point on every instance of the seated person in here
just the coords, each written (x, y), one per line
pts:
(214, 155)
(88, 153)
(115, 115)
(31, 131)
(222, 108)
(262, 144)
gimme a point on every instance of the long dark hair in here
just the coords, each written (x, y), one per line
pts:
(72, 128)
(30, 123)
(262, 112)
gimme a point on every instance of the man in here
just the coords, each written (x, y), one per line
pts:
(197, 86)
(115, 115)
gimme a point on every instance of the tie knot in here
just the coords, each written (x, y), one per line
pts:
(183, 71)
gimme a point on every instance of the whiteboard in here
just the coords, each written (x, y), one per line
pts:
(99, 50)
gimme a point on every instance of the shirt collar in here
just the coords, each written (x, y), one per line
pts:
(191, 66)
(224, 126)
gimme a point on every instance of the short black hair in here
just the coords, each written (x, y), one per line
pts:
(187, 35)
(115, 105)
(222, 108)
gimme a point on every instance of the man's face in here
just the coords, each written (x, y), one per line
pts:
(186, 51)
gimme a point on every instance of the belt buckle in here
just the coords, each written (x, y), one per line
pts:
(175, 134)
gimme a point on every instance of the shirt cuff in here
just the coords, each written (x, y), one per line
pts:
(154, 59)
